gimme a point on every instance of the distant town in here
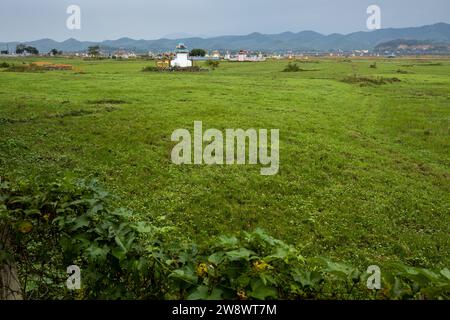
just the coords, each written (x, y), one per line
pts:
(396, 48)
(425, 40)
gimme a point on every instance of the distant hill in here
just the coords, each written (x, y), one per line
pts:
(305, 41)
(402, 46)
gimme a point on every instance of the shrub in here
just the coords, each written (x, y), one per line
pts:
(4, 65)
(213, 63)
(292, 67)
(373, 65)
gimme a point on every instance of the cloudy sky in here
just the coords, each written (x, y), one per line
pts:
(24, 20)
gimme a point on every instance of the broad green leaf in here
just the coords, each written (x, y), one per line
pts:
(98, 253)
(239, 254)
(446, 273)
(186, 274)
(80, 222)
(228, 242)
(216, 258)
(200, 293)
(119, 253)
(261, 292)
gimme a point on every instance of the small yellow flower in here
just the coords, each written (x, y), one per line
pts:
(259, 266)
(25, 227)
(202, 270)
(242, 295)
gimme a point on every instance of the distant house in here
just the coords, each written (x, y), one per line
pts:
(216, 54)
(122, 54)
(181, 59)
(242, 56)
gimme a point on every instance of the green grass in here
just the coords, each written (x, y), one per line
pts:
(364, 170)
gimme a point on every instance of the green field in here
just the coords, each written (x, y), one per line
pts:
(364, 169)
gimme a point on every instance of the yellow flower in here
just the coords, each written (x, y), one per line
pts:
(259, 266)
(25, 227)
(242, 295)
(202, 270)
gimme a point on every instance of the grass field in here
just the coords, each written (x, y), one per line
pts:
(364, 169)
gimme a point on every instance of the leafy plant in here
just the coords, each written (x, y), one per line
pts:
(213, 63)
(53, 225)
(292, 67)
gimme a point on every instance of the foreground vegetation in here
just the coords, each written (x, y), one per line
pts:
(51, 226)
(364, 173)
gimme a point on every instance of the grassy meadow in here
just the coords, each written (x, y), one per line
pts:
(364, 168)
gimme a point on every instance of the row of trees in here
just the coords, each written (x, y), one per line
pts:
(22, 48)
(92, 51)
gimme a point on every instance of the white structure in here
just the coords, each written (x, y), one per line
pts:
(122, 54)
(181, 58)
(242, 56)
(216, 54)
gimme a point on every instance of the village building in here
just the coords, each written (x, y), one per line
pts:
(242, 56)
(181, 57)
(216, 54)
(123, 54)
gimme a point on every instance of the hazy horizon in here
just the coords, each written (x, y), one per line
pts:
(27, 20)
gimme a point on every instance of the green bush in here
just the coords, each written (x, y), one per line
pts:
(54, 225)
(213, 63)
(292, 67)
(4, 65)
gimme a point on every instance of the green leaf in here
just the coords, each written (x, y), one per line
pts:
(216, 258)
(186, 275)
(265, 237)
(227, 242)
(239, 254)
(119, 253)
(143, 227)
(308, 279)
(216, 294)
(97, 253)
(446, 273)
(280, 253)
(261, 292)
(80, 222)
(120, 244)
(200, 293)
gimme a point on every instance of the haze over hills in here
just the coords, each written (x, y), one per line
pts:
(301, 41)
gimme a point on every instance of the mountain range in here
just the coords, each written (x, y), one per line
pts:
(301, 41)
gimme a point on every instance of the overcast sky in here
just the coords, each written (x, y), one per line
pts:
(24, 20)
